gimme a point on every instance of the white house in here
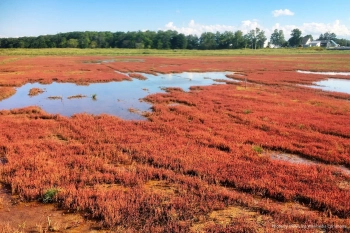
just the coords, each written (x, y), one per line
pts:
(323, 43)
(315, 43)
(306, 42)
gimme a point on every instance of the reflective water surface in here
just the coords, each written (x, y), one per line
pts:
(122, 99)
(323, 73)
(333, 84)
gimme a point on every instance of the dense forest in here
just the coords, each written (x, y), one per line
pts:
(161, 40)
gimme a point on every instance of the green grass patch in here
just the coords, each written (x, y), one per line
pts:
(49, 195)
(258, 149)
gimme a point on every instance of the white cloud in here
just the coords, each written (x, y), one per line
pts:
(315, 29)
(3, 36)
(286, 29)
(197, 28)
(191, 23)
(247, 25)
(280, 12)
(339, 29)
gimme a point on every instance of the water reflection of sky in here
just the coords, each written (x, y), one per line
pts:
(113, 98)
(332, 84)
(324, 73)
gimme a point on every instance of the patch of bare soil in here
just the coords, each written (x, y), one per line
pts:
(18, 216)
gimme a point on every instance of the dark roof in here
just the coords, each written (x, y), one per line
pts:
(305, 39)
(323, 41)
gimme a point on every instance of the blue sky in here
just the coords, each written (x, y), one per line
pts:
(39, 17)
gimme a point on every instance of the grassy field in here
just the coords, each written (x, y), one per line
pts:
(155, 52)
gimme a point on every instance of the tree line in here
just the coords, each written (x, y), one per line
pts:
(277, 38)
(254, 39)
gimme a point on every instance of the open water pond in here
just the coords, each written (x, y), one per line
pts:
(324, 73)
(122, 99)
(331, 84)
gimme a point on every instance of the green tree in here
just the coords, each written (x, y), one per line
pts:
(63, 42)
(101, 41)
(238, 40)
(251, 39)
(192, 42)
(256, 38)
(93, 44)
(179, 41)
(328, 36)
(260, 38)
(225, 40)
(163, 39)
(342, 42)
(148, 37)
(72, 43)
(246, 41)
(296, 38)
(40, 42)
(277, 38)
(207, 41)
(20, 44)
(84, 41)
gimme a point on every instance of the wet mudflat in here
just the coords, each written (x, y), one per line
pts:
(296, 159)
(36, 216)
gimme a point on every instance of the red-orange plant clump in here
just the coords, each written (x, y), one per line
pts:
(137, 76)
(201, 161)
(6, 92)
(35, 91)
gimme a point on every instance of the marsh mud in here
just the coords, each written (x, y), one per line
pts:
(295, 159)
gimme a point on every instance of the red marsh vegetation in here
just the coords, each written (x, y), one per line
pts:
(6, 92)
(200, 162)
(35, 91)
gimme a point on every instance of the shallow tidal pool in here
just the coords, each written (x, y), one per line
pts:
(332, 83)
(122, 99)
